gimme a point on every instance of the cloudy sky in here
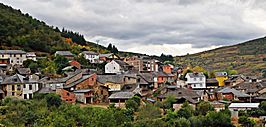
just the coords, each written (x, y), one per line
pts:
(174, 27)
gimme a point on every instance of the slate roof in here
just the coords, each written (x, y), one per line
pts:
(180, 93)
(24, 71)
(106, 55)
(163, 74)
(110, 78)
(12, 52)
(64, 53)
(234, 91)
(84, 77)
(195, 75)
(121, 95)
(89, 53)
(250, 87)
(220, 74)
(83, 90)
(45, 90)
(121, 63)
(17, 78)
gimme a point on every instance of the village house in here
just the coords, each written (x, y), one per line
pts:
(91, 56)
(108, 57)
(15, 57)
(23, 71)
(196, 80)
(162, 79)
(84, 96)
(19, 86)
(181, 95)
(119, 98)
(221, 77)
(66, 54)
(75, 64)
(117, 67)
(231, 94)
(151, 65)
(31, 56)
(114, 83)
(136, 62)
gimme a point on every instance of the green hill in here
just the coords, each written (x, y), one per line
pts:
(248, 58)
(21, 31)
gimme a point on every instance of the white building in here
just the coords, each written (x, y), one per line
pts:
(93, 57)
(116, 66)
(16, 57)
(196, 80)
(31, 56)
(29, 88)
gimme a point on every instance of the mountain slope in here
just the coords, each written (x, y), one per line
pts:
(248, 58)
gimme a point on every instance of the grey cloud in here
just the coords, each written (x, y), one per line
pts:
(198, 22)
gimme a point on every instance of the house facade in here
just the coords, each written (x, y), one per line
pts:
(116, 66)
(15, 57)
(196, 80)
(92, 57)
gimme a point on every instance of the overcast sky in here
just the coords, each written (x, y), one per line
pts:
(174, 27)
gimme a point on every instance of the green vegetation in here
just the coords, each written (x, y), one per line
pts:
(48, 110)
(246, 58)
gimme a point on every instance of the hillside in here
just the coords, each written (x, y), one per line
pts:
(248, 58)
(21, 31)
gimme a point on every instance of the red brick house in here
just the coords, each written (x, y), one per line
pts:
(67, 96)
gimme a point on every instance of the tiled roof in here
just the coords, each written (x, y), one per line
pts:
(17, 78)
(83, 90)
(64, 53)
(12, 52)
(89, 53)
(84, 77)
(195, 75)
(122, 95)
(110, 78)
(234, 91)
(24, 71)
(180, 93)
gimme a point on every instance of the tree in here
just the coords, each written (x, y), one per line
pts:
(149, 112)
(186, 111)
(53, 100)
(203, 107)
(246, 122)
(133, 103)
(60, 62)
(218, 119)
(110, 47)
(168, 102)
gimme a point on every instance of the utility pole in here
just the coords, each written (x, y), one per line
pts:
(97, 41)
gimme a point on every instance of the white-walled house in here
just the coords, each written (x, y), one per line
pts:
(92, 57)
(196, 80)
(116, 66)
(15, 57)
(29, 88)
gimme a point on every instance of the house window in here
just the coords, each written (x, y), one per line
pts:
(14, 55)
(67, 94)
(114, 67)
(70, 99)
(101, 92)
(30, 96)
(30, 87)
(10, 55)
(24, 86)
(13, 87)
(25, 96)
(11, 61)
(194, 85)
(195, 79)
(13, 93)
(20, 55)
(201, 85)
(200, 78)
(18, 87)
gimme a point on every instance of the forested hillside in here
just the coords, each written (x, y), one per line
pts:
(247, 58)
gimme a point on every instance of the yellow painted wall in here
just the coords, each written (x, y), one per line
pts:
(221, 80)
